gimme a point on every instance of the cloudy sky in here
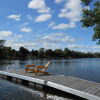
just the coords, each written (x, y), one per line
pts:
(50, 24)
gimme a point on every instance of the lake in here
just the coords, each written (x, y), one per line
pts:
(84, 68)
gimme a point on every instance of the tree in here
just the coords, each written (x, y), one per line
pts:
(49, 53)
(58, 53)
(34, 53)
(66, 53)
(2, 43)
(1, 48)
(91, 17)
(41, 52)
(7, 51)
(23, 52)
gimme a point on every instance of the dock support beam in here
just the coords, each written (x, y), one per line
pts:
(14, 79)
(5, 77)
(39, 86)
(31, 84)
(24, 82)
(1, 76)
(19, 81)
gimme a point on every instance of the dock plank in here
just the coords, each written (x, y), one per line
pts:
(79, 87)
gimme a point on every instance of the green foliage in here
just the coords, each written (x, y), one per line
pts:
(58, 52)
(34, 53)
(41, 52)
(97, 33)
(86, 2)
(67, 53)
(2, 43)
(49, 53)
(8, 52)
(23, 52)
(91, 17)
(88, 18)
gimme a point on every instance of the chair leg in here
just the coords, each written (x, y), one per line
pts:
(26, 71)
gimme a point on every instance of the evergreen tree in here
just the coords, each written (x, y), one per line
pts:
(91, 17)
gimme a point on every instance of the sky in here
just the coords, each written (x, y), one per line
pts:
(49, 24)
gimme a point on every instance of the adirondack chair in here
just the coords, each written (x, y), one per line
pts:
(41, 68)
(30, 68)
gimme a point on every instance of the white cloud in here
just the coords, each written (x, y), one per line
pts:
(17, 44)
(25, 44)
(43, 17)
(96, 47)
(14, 17)
(72, 12)
(5, 33)
(47, 40)
(84, 48)
(58, 1)
(56, 38)
(50, 39)
(29, 17)
(51, 24)
(12, 40)
(17, 36)
(24, 24)
(74, 46)
(61, 26)
(39, 5)
(72, 24)
(25, 29)
(53, 40)
(64, 26)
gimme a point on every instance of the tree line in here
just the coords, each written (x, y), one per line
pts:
(8, 52)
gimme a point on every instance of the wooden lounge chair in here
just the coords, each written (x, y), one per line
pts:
(30, 68)
(41, 68)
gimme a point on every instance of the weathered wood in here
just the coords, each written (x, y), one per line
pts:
(14, 79)
(82, 88)
(31, 84)
(19, 81)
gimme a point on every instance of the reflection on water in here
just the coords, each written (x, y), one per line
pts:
(88, 69)
(12, 91)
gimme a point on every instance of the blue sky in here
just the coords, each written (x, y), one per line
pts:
(50, 24)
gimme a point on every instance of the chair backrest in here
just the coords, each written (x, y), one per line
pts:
(30, 65)
(46, 66)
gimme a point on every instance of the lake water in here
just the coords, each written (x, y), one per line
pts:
(87, 68)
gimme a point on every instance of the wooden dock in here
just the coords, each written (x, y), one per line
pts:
(79, 87)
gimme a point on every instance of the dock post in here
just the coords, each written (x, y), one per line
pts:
(14, 79)
(19, 81)
(25, 82)
(5, 77)
(1, 76)
(32, 84)
(9, 78)
(39, 86)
